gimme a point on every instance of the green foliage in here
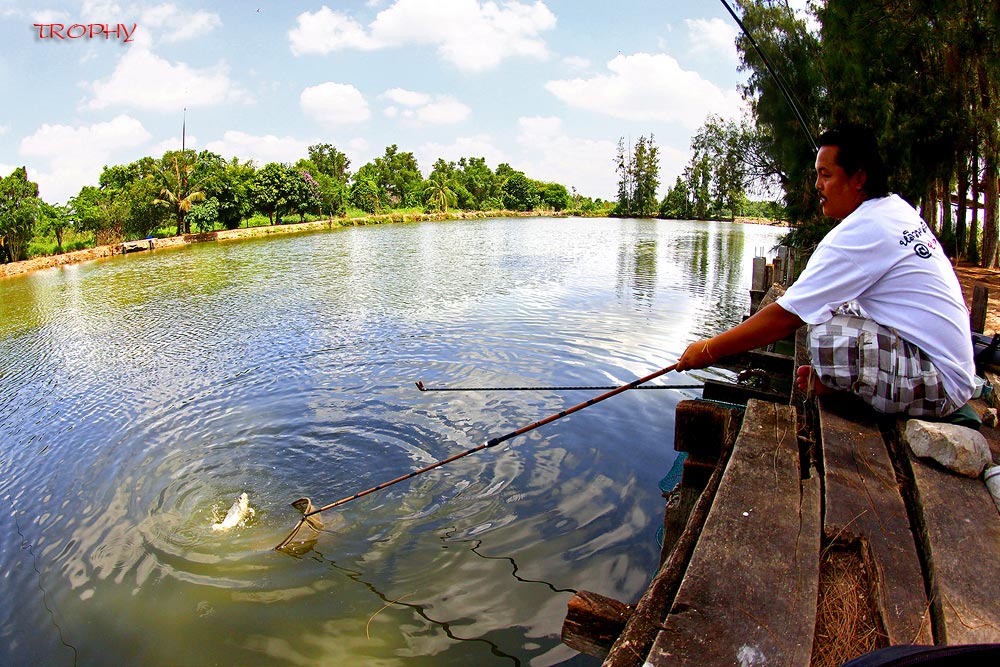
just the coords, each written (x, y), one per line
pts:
(365, 195)
(230, 184)
(204, 216)
(519, 193)
(795, 53)
(328, 161)
(437, 191)
(553, 196)
(54, 221)
(180, 188)
(677, 205)
(270, 190)
(639, 177)
(396, 176)
(19, 210)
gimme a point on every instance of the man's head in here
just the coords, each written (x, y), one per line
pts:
(849, 169)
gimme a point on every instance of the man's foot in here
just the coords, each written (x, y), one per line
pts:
(806, 380)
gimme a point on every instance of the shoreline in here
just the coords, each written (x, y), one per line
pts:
(99, 252)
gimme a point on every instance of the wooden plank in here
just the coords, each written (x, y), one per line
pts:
(960, 533)
(640, 631)
(749, 593)
(863, 502)
(980, 301)
(593, 622)
(700, 428)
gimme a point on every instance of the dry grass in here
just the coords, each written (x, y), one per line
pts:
(846, 619)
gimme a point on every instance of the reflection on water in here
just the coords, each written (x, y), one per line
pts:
(139, 396)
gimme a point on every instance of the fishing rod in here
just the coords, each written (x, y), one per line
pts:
(422, 387)
(299, 541)
(781, 84)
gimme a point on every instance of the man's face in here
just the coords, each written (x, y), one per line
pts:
(839, 193)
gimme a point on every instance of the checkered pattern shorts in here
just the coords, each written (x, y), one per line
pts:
(856, 354)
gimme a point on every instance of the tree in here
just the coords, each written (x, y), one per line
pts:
(365, 194)
(639, 177)
(179, 190)
(795, 54)
(55, 220)
(397, 177)
(329, 161)
(303, 192)
(270, 190)
(438, 192)
(520, 193)
(676, 205)
(476, 178)
(19, 210)
(554, 196)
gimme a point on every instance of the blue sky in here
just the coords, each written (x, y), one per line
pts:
(548, 87)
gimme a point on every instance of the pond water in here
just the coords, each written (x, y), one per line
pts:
(140, 395)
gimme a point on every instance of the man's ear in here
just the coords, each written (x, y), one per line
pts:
(859, 179)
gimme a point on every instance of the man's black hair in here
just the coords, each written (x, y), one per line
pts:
(858, 151)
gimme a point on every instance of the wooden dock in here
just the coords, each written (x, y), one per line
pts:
(803, 534)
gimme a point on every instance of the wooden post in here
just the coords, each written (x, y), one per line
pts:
(980, 300)
(593, 623)
(758, 282)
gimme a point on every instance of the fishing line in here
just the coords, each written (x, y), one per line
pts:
(26, 545)
(419, 609)
(781, 83)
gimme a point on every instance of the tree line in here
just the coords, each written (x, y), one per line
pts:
(186, 190)
(924, 76)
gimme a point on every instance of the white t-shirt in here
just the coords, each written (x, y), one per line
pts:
(884, 256)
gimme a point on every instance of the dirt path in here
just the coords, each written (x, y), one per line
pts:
(969, 277)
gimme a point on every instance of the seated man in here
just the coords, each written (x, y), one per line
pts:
(887, 320)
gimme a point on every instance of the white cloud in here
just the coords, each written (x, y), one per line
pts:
(260, 149)
(143, 80)
(713, 39)
(178, 25)
(443, 111)
(585, 164)
(480, 145)
(422, 108)
(576, 62)
(407, 97)
(470, 35)
(334, 103)
(649, 87)
(75, 156)
(325, 30)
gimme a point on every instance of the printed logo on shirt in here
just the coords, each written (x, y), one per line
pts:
(911, 236)
(922, 251)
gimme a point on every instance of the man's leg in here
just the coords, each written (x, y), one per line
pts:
(856, 354)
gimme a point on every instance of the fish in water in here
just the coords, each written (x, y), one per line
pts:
(237, 514)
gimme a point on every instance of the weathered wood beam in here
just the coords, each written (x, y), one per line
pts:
(749, 593)
(593, 623)
(863, 502)
(959, 532)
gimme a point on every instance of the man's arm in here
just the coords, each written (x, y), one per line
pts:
(767, 325)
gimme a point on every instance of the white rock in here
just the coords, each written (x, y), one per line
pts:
(958, 448)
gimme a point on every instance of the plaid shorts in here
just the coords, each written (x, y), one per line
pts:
(856, 354)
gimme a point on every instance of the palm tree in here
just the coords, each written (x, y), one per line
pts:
(178, 192)
(438, 192)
